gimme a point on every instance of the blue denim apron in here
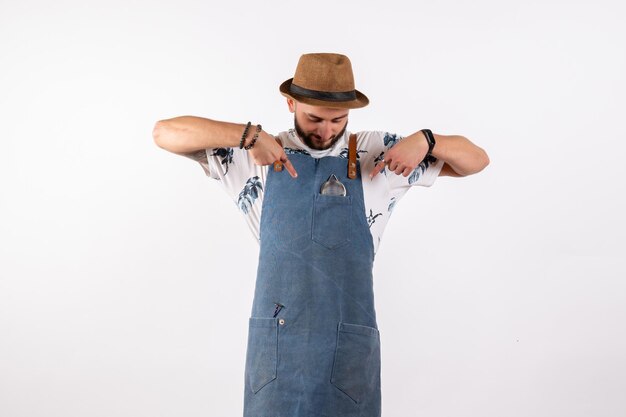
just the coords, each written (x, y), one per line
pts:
(313, 342)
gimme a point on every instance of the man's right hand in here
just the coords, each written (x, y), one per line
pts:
(267, 150)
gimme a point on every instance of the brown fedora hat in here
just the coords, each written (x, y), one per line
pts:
(324, 79)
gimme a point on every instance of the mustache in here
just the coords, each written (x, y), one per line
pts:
(313, 135)
(308, 138)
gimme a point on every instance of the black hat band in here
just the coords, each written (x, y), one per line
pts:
(323, 95)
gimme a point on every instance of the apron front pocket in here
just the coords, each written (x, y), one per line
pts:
(331, 220)
(262, 352)
(356, 368)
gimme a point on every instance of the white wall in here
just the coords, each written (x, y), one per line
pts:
(126, 275)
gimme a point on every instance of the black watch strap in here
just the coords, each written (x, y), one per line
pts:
(431, 140)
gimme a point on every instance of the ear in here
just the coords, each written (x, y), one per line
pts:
(292, 105)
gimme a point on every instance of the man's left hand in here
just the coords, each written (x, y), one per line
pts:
(404, 156)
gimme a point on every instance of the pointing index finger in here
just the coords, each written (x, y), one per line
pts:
(379, 167)
(289, 166)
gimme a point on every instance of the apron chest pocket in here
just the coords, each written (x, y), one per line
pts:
(331, 220)
(262, 352)
(356, 369)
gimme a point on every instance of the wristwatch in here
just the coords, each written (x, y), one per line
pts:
(430, 138)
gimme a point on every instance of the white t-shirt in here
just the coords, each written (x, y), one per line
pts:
(244, 181)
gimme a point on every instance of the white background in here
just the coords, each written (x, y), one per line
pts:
(126, 275)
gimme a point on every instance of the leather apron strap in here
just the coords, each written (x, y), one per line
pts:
(352, 157)
(278, 165)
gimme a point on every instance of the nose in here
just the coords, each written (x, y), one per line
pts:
(326, 131)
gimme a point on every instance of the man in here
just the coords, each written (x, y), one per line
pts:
(313, 342)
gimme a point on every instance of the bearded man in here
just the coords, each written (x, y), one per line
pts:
(313, 342)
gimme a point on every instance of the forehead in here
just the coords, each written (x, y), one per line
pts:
(321, 112)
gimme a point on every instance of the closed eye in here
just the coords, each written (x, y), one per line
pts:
(316, 119)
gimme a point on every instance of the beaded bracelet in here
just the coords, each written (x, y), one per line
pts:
(254, 138)
(243, 137)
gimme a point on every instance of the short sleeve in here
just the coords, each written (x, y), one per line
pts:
(423, 175)
(201, 157)
(239, 176)
(426, 172)
(218, 163)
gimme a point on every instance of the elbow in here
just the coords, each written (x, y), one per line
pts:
(483, 160)
(158, 134)
(165, 137)
(480, 159)
(168, 135)
(480, 162)
(476, 163)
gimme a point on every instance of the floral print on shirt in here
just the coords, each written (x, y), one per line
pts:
(244, 180)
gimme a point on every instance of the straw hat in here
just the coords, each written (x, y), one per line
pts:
(324, 79)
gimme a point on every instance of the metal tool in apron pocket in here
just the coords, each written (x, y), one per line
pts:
(332, 186)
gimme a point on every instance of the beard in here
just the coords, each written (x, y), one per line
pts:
(307, 138)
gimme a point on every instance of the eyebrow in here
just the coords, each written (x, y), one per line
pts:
(317, 117)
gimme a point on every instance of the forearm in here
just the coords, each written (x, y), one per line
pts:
(464, 157)
(187, 134)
